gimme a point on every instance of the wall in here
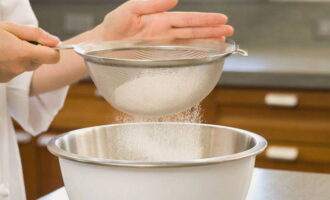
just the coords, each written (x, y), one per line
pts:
(289, 30)
(260, 24)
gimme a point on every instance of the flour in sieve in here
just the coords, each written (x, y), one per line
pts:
(161, 92)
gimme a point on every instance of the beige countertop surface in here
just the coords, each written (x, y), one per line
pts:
(280, 68)
(269, 185)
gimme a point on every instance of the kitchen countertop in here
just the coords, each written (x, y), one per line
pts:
(279, 68)
(269, 185)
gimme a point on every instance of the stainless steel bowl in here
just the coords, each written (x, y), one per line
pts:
(148, 161)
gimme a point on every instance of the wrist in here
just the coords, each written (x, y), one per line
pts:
(98, 33)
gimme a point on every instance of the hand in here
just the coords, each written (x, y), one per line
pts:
(148, 19)
(17, 55)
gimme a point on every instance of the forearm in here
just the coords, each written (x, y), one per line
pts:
(68, 70)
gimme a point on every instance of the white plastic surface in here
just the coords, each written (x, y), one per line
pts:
(282, 153)
(281, 100)
(225, 181)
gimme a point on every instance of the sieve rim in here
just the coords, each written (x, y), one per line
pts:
(85, 50)
(260, 145)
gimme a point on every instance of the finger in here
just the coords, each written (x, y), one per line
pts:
(186, 19)
(29, 65)
(219, 39)
(30, 33)
(203, 32)
(39, 54)
(144, 7)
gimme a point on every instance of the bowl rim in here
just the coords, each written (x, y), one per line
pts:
(84, 50)
(259, 147)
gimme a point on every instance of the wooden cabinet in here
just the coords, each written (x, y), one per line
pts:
(83, 107)
(47, 165)
(296, 124)
(27, 149)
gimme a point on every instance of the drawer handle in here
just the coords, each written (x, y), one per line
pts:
(43, 140)
(281, 100)
(282, 153)
(23, 138)
(97, 93)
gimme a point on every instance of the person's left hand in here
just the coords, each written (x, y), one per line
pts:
(148, 19)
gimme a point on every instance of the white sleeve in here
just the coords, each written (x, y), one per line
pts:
(35, 113)
(17, 11)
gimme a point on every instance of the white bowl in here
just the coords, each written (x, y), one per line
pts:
(149, 161)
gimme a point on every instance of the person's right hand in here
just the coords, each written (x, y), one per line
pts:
(151, 19)
(17, 55)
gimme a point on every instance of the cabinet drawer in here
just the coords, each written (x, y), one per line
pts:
(307, 157)
(305, 152)
(83, 108)
(267, 97)
(277, 124)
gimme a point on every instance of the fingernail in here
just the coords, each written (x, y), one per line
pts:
(230, 30)
(51, 40)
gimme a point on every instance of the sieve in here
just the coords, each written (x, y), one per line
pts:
(155, 77)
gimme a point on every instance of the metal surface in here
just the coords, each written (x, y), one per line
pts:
(157, 145)
(155, 53)
(63, 47)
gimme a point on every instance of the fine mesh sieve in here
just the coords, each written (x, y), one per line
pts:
(155, 78)
(152, 53)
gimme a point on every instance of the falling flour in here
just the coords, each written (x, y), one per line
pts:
(160, 143)
(160, 93)
(193, 114)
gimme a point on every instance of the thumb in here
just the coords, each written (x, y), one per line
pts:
(145, 7)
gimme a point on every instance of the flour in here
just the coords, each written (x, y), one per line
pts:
(164, 91)
(160, 143)
(193, 114)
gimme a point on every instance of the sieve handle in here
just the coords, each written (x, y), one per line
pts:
(59, 47)
(63, 47)
(241, 52)
(237, 49)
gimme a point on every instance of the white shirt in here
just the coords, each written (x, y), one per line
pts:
(34, 114)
